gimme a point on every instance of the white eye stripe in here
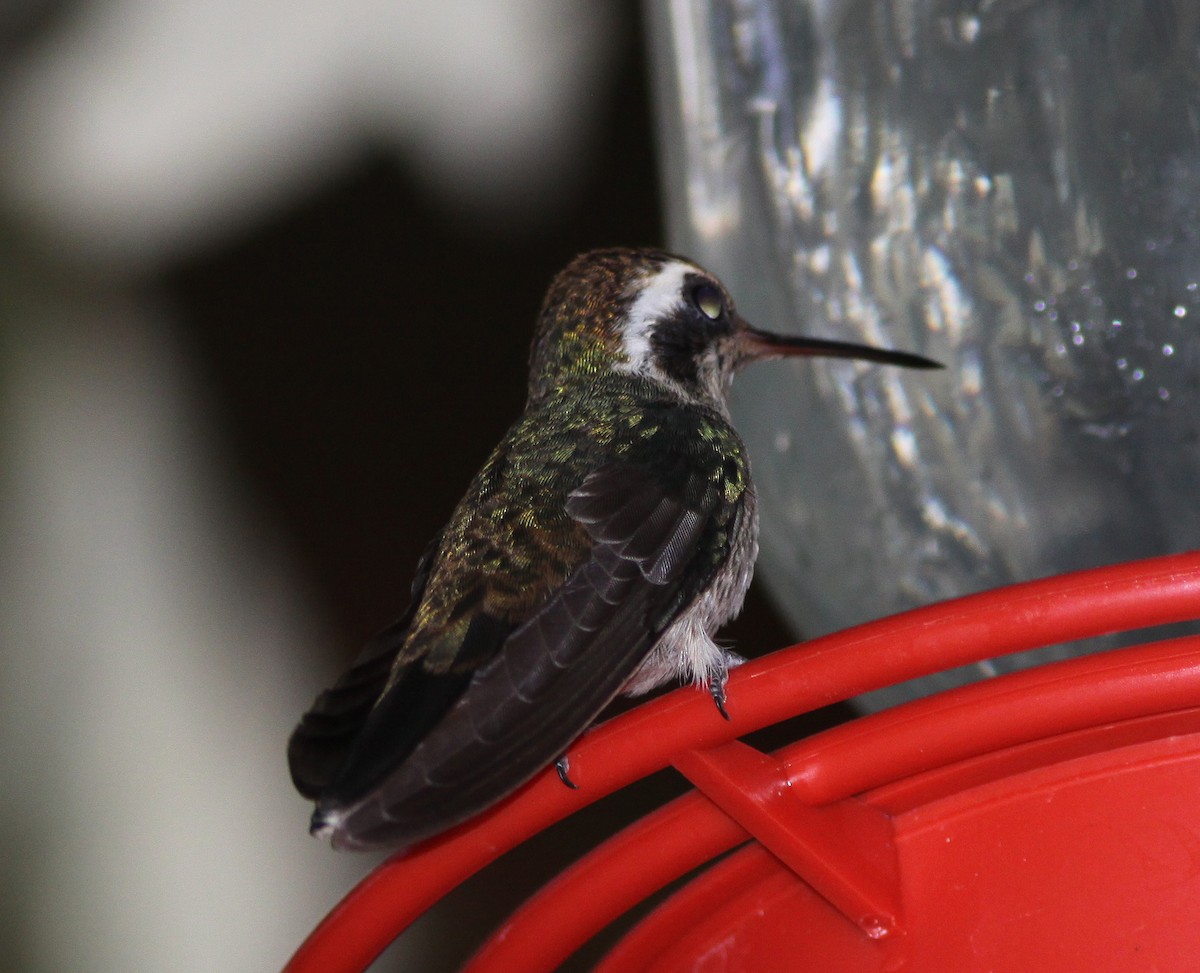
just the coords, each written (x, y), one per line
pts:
(660, 294)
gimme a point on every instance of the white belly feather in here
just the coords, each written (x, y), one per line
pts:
(686, 651)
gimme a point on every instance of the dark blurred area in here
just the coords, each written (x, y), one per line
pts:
(367, 349)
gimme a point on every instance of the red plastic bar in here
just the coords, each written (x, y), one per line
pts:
(845, 850)
(982, 717)
(907, 793)
(804, 677)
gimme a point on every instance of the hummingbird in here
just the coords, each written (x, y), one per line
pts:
(608, 536)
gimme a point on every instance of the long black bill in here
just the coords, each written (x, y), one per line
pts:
(764, 344)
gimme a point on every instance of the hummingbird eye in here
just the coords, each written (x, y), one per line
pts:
(708, 300)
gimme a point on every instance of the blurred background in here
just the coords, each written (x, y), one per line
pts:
(1008, 186)
(268, 273)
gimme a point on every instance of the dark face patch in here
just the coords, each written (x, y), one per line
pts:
(680, 342)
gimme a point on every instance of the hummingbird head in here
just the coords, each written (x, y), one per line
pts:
(666, 319)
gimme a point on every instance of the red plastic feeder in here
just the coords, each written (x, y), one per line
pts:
(1047, 820)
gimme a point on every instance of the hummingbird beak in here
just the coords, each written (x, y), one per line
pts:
(759, 345)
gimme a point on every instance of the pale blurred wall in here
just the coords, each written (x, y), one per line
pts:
(159, 638)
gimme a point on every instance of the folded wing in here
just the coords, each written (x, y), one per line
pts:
(656, 540)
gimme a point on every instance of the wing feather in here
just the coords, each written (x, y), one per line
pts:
(559, 668)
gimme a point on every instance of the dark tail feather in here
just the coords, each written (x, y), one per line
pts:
(318, 746)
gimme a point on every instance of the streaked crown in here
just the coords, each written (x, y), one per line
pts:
(664, 319)
(646, 312)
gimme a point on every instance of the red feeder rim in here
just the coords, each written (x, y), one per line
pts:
(838, 827)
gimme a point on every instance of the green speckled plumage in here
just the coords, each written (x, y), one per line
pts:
(510, 543)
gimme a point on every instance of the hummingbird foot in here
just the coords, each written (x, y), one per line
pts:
(716, 685)
(563, 767)
(717, 688)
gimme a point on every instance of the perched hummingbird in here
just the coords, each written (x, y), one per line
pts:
(609, 535)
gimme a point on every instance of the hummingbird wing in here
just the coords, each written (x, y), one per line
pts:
(658, 534)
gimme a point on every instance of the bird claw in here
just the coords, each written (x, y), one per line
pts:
(718, 696)
(563, 767)
(717, 686)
